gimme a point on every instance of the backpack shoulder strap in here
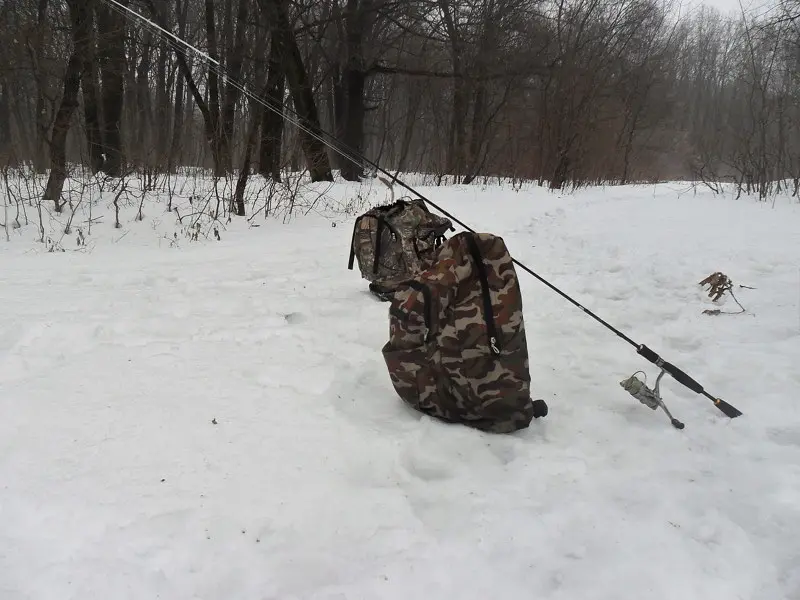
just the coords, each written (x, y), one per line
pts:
(381, 215)
(353, 241)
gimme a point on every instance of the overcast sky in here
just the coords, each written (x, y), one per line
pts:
(751, 7)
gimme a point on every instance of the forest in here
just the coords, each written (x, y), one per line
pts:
(566, 93)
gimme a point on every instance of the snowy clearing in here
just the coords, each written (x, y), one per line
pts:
(213, 419)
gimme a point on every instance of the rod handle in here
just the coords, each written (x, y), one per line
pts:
(679, 375)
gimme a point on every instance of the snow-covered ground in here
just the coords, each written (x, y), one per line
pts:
(213, 419)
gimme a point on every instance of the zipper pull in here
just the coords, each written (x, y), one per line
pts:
(493, 343)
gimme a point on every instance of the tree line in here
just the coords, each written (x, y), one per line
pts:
(564, 92)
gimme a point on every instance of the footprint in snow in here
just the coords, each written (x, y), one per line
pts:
(762, 268)
(363, 394)
(684, 343)
(785, 436)
(426, 466)
(295, 318)
(621, 295)
(505, 450)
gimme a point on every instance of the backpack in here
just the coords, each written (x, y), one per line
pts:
(457, 349)
(396, 241)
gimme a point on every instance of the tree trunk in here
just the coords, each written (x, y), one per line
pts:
(79, 20)
(42, 116)
(352, 169)
(235, 63)
(354, 81)
(238, 206)
(241, 183)
(144, 110)
(210, 124)
(311, 134)
(180, 95)
(480, 118)
(219, 144)
(91, 103)
(561, 171)
(130, 106)
(338, 111)
(456, 133)
(6, 145)
(414, 95)
(476, 135)
(161, 119)
(269, 164)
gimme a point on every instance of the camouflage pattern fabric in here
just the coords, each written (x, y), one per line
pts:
(457, 349)
(396, 241)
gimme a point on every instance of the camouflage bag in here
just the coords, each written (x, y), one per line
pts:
(457, 349)
(396, 241)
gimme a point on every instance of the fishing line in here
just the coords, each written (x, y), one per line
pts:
(360, 160)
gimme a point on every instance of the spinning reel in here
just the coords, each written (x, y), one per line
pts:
(650, 398)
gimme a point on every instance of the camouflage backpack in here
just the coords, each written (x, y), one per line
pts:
(396, 241)
(457, 349)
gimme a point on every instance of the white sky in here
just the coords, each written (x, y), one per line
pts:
(751, 7)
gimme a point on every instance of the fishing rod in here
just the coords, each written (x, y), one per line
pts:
(636, 388)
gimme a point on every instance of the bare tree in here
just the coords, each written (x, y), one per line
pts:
(111, 58)
(80, 18)
(564, 92)
(288, 54)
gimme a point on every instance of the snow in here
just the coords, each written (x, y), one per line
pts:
(213, 419)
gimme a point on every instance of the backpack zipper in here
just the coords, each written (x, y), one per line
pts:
(487, 300)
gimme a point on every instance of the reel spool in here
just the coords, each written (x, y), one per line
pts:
(650, 398)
